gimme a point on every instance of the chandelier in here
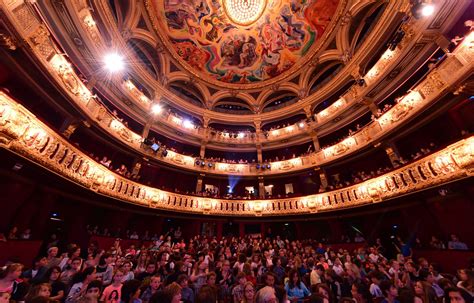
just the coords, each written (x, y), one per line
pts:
(244, 12)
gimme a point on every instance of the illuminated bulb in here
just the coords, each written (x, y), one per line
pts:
(427, 10)
(188, 124)
(241, 135)
(114, 62)
(301, 124)
(156, 109)
(244, 12)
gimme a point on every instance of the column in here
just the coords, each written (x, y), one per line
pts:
(393, 154)
(308, 112)
(199, 183)
(314, 137)
(371, 105)
(261, 188)
(259, 154)
(322, 177)
(443, 42)
(146, 128)
(205, 125)
(202, 151)
(241, 229)
(68, 127)
(220, 229)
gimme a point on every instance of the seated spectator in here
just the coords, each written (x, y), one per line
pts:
(466, 280)
(74, 268)
(389, 291)
(266, 295)
(154, 287)
(130, 292)
(39, 290)
(174, 292)
(37, 273)
(92, 292)
(187, 294)
(457, 295)
(11, 283)
(456, 244)
(113, 292)
(79, 284)
(12, 235)
(26, 235)
(58, 288)
(238, 290)
(295, 288)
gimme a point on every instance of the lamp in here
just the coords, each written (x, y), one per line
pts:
(244, 12)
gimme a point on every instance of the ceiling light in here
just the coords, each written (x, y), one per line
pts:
(156, 109)
(114, 62)
(427, 10)
(244, 12)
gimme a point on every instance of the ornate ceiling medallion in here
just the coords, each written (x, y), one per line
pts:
(244, 12)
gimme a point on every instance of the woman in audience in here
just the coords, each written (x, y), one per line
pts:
(466, 280)
(79, 284)
(11, 283)
(199, 275)
(58, 288)
(249, 293)
(39, 290)
(74, 268)
(174, 292)
(295, 289)
(112, 293)
(104, 269)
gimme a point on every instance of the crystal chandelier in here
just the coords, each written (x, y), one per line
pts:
(244, 12)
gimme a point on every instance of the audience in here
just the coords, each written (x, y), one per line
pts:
(170, 269)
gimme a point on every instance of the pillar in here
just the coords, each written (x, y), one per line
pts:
(241, 229)
(322, 177)
(202, 151)
(372, 106)
(146, 128)
(392, 153)
(199, 183)
(261, 188)
(314, 137)
(220, 229)
(259, 154)
(68, 127)
(443, 42)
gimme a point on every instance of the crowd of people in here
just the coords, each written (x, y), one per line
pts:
(249, 269)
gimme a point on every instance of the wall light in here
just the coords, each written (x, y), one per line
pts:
(156, 109)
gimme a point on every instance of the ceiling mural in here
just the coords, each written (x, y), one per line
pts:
(218, 46)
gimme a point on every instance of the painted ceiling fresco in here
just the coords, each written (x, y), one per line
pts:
(205, 38)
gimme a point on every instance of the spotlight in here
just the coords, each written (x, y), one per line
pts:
(420, 10)
(258, 166)
(203, 163)
(427, 10)
(198, 162)
(156, 109)
(114, 62)
(209, 164)
(188, 124)
(269, 166)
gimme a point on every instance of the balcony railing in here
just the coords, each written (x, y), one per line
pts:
(22, 133)
(450, 72)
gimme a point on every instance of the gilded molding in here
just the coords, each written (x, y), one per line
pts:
(29, 137)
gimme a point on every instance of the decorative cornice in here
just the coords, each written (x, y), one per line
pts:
(22, 133)
(453, 70)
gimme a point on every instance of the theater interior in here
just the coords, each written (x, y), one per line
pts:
(306, 131)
